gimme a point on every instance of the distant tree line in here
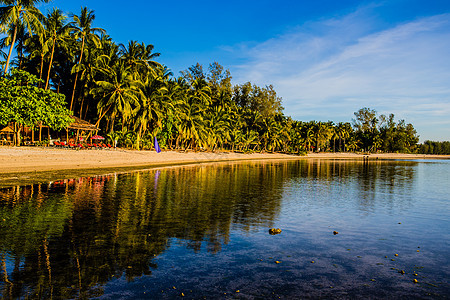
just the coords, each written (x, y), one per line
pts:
(430, 147)
(133, 98)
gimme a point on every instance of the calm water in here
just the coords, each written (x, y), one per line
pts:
(203, 232)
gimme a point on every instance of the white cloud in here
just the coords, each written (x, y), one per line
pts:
(328, 69)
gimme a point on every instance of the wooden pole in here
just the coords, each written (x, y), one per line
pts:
(40, 132)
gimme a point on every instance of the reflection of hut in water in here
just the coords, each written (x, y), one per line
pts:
(76, 131)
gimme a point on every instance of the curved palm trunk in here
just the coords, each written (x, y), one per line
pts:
(76, 74)
(10, 49)
(81, 107)
(138, 138)
(73, 92)
(42, 67)
(50, 65)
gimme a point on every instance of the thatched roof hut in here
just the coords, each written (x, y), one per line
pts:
(82, 125)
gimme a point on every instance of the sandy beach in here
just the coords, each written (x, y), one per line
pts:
(31, 159)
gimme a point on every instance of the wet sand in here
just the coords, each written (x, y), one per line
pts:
(31, 159)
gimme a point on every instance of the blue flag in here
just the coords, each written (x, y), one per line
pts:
(157, 146)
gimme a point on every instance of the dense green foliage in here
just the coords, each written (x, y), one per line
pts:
(430, 147)
(133, 98)
(22, 102)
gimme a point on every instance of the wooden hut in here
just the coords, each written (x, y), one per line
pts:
(74, 132)
(5, 136)
(83, 129)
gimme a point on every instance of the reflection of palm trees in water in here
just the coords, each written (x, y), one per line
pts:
(8, 284)
(107, 225)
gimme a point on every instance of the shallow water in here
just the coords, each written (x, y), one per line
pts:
(203, 231)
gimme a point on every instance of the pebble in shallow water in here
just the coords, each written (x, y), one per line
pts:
(274, 231)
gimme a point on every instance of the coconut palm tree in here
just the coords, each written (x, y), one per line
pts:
(344, 130)
(140, 57)
(308, 133)
(82, 29)
(153, 105)
(58, 32)
(37, 47)
(90, 69)
(117, 93)
(20, 45)
(16, 14)
(191, 125)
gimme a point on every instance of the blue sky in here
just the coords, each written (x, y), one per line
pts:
(325, 58)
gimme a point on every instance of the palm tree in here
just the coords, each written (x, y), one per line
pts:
(21, 40)
(140, 57)
(296, 135)
(118, 93)
(36, 46)
(201, 92)
(90, 69)
(343, 131)
(57, 33)
(308, 134)
(16, 14)
(81, 28)
(152, 105)
(191, 125)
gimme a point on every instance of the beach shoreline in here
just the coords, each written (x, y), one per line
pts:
(28, 165)
(32, 159)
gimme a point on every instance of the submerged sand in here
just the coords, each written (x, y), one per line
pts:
(32, 159)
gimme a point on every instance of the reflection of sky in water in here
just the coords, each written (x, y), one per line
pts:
(364, 203)
(208, 228)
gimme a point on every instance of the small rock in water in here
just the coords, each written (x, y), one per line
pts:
(274, 231)
(335, 232)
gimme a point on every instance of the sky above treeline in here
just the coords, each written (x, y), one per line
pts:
(325, 58)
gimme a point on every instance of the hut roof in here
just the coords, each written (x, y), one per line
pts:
(7, 129)
(82, 124)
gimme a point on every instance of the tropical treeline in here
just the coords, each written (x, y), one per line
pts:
(431, 147)
(133, 98)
